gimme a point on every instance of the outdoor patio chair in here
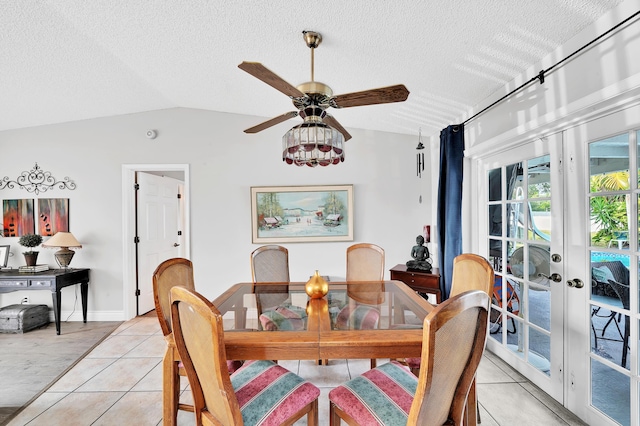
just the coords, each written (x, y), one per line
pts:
(611, 279)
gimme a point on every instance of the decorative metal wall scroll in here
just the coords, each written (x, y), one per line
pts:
(37, 181)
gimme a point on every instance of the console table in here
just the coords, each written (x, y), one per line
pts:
(52, 280)
(422, 282)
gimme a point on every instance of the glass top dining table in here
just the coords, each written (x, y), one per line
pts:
(380, 319)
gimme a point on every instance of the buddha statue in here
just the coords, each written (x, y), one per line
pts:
(420, 255)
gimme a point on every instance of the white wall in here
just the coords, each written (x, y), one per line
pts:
(598, 81)
(603, 77)
(224, 163)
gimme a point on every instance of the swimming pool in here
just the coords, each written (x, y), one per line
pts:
(601, 256)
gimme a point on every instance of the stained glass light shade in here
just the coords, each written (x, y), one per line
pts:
(312, 144)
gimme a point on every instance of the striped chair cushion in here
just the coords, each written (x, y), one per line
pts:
(285, 318)
(268, 394)
(233, 365)
(413, 362)
(359, 317)
(381, 396)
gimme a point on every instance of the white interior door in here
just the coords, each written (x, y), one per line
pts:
(523, 212)
(602, 242)
(158, 215)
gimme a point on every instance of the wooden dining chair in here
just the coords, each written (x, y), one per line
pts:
(258, 393)
(454, 337)
(470, 272)
(365, 262)
(171, 273)
(270, 264)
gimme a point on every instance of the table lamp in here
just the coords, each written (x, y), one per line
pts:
(63, 240)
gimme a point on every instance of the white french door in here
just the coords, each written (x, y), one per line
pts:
(523, 207)
(602, 250)
(566, 207)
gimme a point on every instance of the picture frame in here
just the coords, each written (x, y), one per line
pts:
(18, 217)
(294, 214)
(53, 216)
(4, 255)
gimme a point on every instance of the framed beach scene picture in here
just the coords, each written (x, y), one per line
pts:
(289, 214)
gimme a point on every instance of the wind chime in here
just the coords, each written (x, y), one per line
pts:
(420, 155)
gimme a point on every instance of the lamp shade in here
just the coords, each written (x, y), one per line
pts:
(62, 239)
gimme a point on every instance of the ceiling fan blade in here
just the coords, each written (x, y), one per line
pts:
(383, 95)
(261, 72)
(332, 122)
(272, 122)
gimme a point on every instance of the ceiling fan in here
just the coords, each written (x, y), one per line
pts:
(312, 98)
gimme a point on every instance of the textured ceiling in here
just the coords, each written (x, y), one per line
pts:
(69, 60)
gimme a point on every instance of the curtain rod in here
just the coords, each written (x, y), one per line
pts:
(541, 74)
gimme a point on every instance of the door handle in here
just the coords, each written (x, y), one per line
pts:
(556, 278)
(176, 244)
(576, 282)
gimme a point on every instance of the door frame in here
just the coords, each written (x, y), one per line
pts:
(129, 226)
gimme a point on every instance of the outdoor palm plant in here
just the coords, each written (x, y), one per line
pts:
(610, 212)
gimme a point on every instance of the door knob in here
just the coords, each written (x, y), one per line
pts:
(176, 244)
(556, 278)
(576, 282)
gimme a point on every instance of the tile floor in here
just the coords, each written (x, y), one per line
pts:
(31, 361)
(120, 382)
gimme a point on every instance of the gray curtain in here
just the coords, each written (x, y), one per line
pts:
(450, 203)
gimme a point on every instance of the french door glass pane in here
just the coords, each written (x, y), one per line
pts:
(609, 164)
(516, 221)
(514, 182)
(539, 182)
(495, 185)
(610, 392)
(540, 350)
(609, 221)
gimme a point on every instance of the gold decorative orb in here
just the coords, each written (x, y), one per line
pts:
(316, 287)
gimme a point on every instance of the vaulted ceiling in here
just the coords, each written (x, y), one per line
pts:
(70, 60)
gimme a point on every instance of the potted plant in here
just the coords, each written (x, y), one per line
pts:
(30, 241)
